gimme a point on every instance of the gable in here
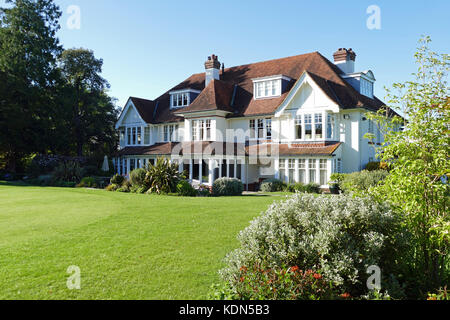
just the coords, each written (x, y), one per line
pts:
(130, 116)
(306, 94)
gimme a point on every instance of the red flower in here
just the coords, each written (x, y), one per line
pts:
(295, 269)
(317, 276)
(346, 295)
(244, 269)
(242, 279)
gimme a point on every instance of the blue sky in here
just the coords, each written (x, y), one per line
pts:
(150, 46)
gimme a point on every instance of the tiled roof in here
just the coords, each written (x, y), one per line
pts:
(216, 96)
(235, 149)
(317, 149)
(325, 73)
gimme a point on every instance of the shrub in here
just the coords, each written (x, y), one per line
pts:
(87, 182)
(204, 191)
(137, 177)
(374, 166)
(112, 187)
(69, 171)
(312, 188)
(227, 187)
(341, 236)
(125, 187)
(260, 283)
(117, 179)
(272, 185)
(362, 181)
(162, 177)
(185, 189)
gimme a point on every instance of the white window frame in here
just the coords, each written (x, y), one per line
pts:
(255, 127)
(201, 130)
(270, 87)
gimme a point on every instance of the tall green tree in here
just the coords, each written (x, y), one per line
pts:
(28, 52)
(418, 183)
(93, 112)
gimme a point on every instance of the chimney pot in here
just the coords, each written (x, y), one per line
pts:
(345, 59)
(212, 66)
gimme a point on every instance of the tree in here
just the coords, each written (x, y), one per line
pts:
(92, 111)
(419, 157)
(28, 52)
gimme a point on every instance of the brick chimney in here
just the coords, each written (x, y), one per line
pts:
(345, 60)
(212, 66)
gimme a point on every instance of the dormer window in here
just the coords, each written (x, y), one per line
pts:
(182, 98)
(366, 88)
(269, 87)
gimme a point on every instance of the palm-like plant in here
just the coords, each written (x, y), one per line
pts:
(162, 177)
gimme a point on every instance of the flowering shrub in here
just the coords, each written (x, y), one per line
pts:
(341, 236)
(258, 283)
(227, 187)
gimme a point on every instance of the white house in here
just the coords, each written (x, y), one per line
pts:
(298, 119)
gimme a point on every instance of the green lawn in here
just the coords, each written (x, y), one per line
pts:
(128, 246)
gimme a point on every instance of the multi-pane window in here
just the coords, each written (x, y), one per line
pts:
(330, 126)
(208, 130)
(134, 136)
(139, 135)
(282, 170)
(312, 171)
(323, 172)
(147, 135)
(267, 89)
(128, 136)
(180, 100)
(298, 128)
(122, 136)
(195, 130)
(308, 126)
(165, 133)
(318, 126)
(269, 129)
(170, 133)
(291, 168)
(261, 129)
(302, 170)
(201, 130)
